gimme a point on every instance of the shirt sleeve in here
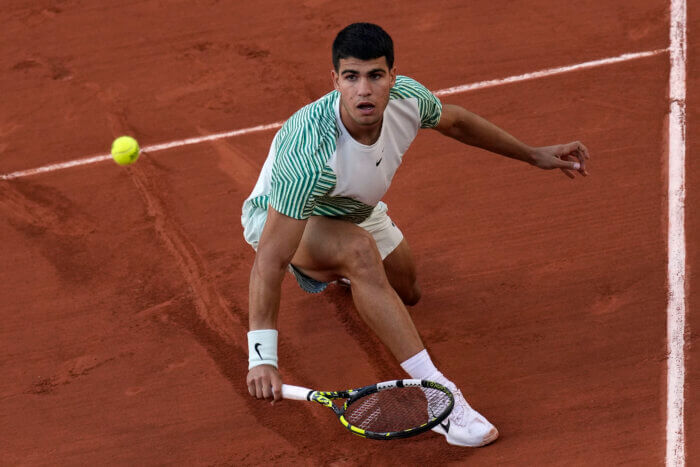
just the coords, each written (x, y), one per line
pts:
(295, 175)
(429, 105)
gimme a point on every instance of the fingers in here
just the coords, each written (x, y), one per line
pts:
(578, 151)
(276, 388)
(578, 166)
(250, 381)
(266, 387)
(576, 148)
(572, 157)
(584, 150)
(255, 387)
(567, 162)
(264, 382)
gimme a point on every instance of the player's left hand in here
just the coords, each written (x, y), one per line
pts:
(569, 158)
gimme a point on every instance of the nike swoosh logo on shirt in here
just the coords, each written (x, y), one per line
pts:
(379, 161)
(256, 349)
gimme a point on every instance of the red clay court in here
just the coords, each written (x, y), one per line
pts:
(123, 291)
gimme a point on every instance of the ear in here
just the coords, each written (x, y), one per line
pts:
(392, 75)
(336, 80)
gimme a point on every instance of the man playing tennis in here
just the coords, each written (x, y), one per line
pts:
(316, 209)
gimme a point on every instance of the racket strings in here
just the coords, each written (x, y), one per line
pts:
(438, 401)
(461, 407)
(397, 409)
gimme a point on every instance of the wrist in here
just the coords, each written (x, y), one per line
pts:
(529, 155)
(262, 347)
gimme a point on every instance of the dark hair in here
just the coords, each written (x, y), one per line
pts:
(365, 41)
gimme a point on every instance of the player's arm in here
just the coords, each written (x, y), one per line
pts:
(467, 127)
(278, 243)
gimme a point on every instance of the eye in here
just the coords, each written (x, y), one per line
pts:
(351, 77)
(376, 76)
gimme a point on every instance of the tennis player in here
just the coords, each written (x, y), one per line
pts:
(316, 209)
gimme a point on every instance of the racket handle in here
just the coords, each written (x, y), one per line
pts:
(296, 393)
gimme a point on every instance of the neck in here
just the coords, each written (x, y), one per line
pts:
(363, 134)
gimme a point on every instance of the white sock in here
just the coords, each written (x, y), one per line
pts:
(420, 366)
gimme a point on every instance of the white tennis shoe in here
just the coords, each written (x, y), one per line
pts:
(465, 426)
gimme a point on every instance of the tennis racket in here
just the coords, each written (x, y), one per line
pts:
(388, 410)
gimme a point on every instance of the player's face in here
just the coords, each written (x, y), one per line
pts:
(364, 87)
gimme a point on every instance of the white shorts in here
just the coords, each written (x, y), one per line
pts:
(378, 224)
(385, 233)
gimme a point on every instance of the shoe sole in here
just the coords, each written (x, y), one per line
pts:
(488, 439)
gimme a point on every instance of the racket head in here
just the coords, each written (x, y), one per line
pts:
(394, 409)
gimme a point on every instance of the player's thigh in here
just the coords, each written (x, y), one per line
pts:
(400, 269)
(329, 248)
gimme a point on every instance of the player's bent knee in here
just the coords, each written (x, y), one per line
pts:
(361, 254)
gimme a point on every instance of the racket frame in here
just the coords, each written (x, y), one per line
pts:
(351, 396)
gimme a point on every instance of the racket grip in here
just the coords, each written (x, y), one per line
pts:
(296, 393)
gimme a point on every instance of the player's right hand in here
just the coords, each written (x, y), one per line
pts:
(569, 158)
(264, 382)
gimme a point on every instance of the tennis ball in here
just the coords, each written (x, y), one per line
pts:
(125, 150)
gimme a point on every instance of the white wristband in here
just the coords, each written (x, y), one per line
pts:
(262, 348)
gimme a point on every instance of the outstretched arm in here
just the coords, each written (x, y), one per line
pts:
(467, 127)
(278, 243)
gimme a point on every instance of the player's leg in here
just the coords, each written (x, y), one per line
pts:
(398, 260)
(401, 271)
(465, 426)
(332, 248)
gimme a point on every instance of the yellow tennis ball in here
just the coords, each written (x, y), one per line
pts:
(125, 150)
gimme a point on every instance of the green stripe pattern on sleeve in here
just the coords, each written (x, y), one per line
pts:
(300, 175)
(429, 106)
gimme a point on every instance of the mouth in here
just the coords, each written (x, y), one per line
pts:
(365, 108)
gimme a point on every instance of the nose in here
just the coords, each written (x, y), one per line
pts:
(364, 89)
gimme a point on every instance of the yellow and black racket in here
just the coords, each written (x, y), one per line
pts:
(388, 410)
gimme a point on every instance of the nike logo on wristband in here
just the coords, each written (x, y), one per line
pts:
(256, 349)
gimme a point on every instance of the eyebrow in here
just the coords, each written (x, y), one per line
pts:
(375, 70)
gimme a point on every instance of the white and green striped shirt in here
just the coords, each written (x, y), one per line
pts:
(315, 168)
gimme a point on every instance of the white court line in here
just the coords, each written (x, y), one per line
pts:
(271, 126)
(153, 148)
(676, 307)
(548, 72)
